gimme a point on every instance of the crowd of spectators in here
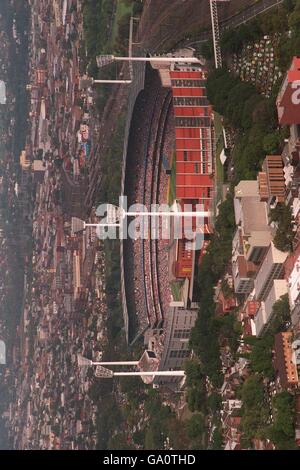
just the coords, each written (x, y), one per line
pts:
(144, 177)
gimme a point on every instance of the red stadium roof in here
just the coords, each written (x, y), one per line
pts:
(193, 144)
(183, 75)
(189, 92)
(194, 159)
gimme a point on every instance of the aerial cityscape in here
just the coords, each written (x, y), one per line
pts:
(150, 225)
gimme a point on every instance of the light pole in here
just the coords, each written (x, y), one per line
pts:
(116, 215)
(104, 373)
(87, 82)
(83, 361)
(103, 60)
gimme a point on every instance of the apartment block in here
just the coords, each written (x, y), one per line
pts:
(285, 360)
(264, 314)
(271, 268)
(252, 237)
(271, 179)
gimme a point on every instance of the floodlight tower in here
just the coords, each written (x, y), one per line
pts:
(216, 31)
(103, 60)
(147, 365)
(83, 361)
(116, 215)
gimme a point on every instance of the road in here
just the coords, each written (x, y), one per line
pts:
(249, 14)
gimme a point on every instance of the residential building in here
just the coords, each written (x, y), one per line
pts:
(176, 350)
(253, 235)
(264, 313)
(294, 284)
(39, 169)
(25, 161)
(271, 268)
(40, 76)
(243, 275)
(224, 303)
(294, 141)
(271, 180)
(285, 363)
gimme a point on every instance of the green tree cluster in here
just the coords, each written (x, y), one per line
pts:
(252, 115)
(261, 355)
(196, 397)
(204, 336)
(262, 348)
(230, 329)
(282, 432)
(254, 410)
(274, 22)
(282, 216)
(195, 426)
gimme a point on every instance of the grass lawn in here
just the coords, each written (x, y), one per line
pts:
(176, 290)
(219, 147)
(219, 175)
(122, 10)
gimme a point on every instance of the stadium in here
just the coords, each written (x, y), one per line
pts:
(168, 157)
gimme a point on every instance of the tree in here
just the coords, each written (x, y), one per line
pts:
(271, 143)
(195, 426)
(294, 19)
(137, 7)
(217, 440)
(282, 432)
(119, 442)
(139, 437)
(153, 438)
(284, 236)
(194, 374)
(254, 411)
(261, 356)
(214, 402)
(196, 399)
(252, 392)
(229, 328)
(281, 315)
(207, 50)
(288, 5)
